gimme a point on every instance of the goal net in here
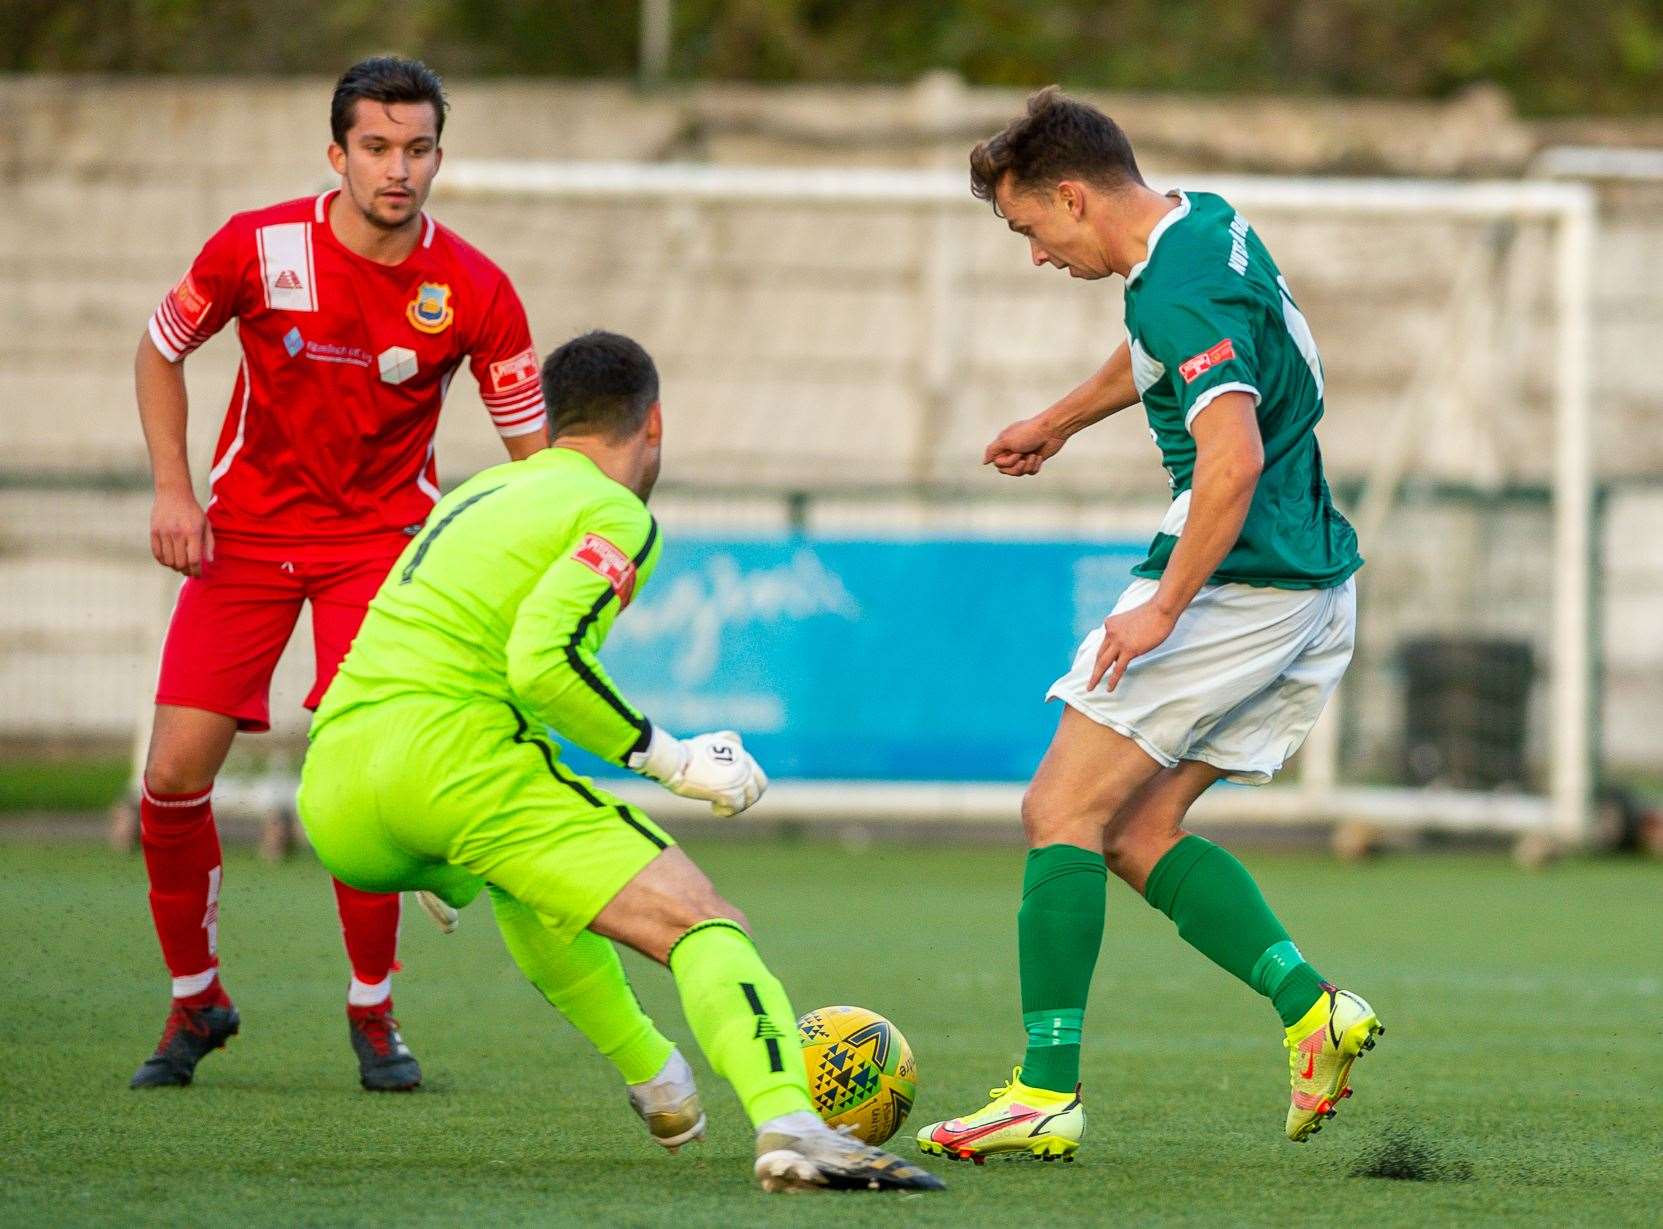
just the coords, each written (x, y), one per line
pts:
(836, 348)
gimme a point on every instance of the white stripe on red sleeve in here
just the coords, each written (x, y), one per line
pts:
(517, 417)
(513, 424)
(181, 339)
(162, 341)
(184, 337)
(526, 428)
(169, 318)
(516, 404)
(526, 388)
(517, 414)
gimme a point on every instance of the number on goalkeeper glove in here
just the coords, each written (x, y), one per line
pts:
(713, 768)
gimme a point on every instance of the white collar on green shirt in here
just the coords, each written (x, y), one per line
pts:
(1170, 218)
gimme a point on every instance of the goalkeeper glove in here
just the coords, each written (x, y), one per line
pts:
(713, 768)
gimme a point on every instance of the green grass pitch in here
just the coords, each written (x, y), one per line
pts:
(1522, 1070)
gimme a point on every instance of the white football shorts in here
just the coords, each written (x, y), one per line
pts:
(1238, 684)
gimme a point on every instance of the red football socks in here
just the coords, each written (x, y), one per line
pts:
(181, 855)
(369, 924)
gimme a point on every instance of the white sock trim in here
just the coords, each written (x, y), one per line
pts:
(194, 800)
(369, 994)
(798, 1122)
(675, 1071)
(196, 983)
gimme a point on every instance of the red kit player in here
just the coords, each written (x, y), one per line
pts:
(353, 310)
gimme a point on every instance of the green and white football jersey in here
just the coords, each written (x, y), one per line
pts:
(1207, 312)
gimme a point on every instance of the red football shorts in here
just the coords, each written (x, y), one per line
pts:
(231, 624)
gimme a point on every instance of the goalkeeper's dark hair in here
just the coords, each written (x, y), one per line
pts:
(384, 79)
(599, 384)
(1056, 138)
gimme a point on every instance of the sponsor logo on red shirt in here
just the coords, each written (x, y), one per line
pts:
(606, 560)
(398, 364)
(1191, 368)
(329, 352)
(188, 299)
(512, 372)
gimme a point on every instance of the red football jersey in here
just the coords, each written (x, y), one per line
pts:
(327, 447)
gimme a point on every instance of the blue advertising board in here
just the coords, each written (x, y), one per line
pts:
(912, 660)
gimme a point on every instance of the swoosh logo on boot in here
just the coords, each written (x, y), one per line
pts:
(946, 1135)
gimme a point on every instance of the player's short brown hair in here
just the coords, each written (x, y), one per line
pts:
(385, 78)
(1056, 138)
(599, 384)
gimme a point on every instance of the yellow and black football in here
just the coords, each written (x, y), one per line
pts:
(861, 1071)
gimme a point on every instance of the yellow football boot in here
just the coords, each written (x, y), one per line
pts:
(1321, 1049)
(1019, 1119)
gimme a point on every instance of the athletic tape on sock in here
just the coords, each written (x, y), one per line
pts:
(369, 994)
(1273, 968)
(196, 983)
(1061, 1026)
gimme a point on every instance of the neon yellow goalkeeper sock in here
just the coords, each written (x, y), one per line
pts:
(585, 982)
(740, 1014)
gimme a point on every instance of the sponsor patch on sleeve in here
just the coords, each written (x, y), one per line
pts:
(607, 561)
(512, 372)
(1194, 367)
(190, 302)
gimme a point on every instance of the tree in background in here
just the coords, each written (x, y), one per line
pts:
(1553, 56)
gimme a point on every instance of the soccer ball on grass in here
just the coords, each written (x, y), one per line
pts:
(861, 1071)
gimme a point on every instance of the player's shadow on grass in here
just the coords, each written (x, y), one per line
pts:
(342, 1087)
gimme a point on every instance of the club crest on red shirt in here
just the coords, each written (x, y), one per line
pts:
(512, 372)
(606, 560)
(430, 311)
(1190, 368)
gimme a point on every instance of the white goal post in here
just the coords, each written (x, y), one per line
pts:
(1567, 211)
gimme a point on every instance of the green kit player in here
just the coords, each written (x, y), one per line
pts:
(429, 771)
(1222, 652)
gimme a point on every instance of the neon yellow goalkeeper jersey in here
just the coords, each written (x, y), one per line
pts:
(507, 594)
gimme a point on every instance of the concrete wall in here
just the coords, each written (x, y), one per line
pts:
(794, 341)
(107, 189)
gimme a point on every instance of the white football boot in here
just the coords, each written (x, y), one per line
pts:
(797, 1152)
(669, 1104)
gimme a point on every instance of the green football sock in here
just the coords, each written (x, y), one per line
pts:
(740, 1014)
(584, 980)
(1221, 913)
(1058, 931)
